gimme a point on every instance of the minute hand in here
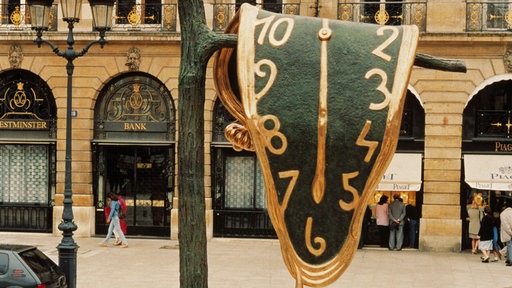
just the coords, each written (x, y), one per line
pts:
(319, 180)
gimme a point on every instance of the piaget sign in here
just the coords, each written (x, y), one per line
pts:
(502, 147)
(320, 103)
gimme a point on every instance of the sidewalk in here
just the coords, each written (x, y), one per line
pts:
(252, 263)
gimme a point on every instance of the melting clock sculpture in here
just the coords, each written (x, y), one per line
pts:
(320, 101)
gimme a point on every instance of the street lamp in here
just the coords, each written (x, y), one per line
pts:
(102, 22)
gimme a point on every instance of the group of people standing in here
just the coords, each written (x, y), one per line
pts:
(115, 208)
(391, 220)
(491, 231)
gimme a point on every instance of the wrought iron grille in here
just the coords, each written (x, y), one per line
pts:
(385, 13)
(224, 12)
(151, 16)
(488, 16)
(129, 16)
(26, 218)
(494, 124)
(242, 223)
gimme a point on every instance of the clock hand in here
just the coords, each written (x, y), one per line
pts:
(319, 180)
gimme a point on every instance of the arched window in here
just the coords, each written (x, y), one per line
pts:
(28, 117)
(489, 113)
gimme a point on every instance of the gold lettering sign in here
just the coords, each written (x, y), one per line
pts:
(23, 125)
(144, 165)
(502, 147)
(135, 126)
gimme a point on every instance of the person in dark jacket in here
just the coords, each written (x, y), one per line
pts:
(486, 234)
(411, 215)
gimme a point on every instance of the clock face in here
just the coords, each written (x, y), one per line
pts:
(322, 101)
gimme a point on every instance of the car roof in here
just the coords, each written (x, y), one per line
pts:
(18, 248)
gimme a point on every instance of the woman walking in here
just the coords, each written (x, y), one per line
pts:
(113, 219)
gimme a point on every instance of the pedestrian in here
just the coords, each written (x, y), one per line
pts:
(496, 241)
(396, 214)
(382, 218)
(113, 220)
(506, 230)
(411, 214)
(122, 221)
(486, 234)
(474, 217)
(122, 217)
(364, 227)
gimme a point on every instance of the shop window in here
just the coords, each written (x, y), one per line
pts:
(238, 190)
(244, 183)
(28, 117)
(24, 170)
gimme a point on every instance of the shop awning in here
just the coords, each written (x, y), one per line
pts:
(403, 174)
(488, 172)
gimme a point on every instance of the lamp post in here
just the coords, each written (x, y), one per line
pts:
(102, 22)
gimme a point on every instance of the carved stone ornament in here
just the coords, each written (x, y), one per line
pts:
(15, 56)
(507, 61)
(320, 101)
(133, 59)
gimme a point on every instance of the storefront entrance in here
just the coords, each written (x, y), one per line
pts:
(141, 176)
(133, 152)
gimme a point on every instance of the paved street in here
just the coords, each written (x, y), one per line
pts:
(250, 263)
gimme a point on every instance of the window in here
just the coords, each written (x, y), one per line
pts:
(497, 14)
(244, 183)
(382, 12)
(4, 263)
(135, 12)
(269, 5)
(24, 174)
(489, 113)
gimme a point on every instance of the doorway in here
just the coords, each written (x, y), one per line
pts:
(142, 176)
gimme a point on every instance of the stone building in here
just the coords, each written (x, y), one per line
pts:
(454, 145)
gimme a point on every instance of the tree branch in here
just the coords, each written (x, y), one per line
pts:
(437, 63)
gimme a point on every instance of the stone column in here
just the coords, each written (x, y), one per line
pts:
(440, 225)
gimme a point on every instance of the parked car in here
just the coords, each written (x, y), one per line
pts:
(26, 266)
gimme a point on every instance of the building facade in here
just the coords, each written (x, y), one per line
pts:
(454, 147)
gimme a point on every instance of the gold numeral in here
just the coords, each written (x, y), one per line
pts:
(272, 33)
(269, 134)
(345, 179)
(318, 240)
(379, 51)
(372, 145)
(294, 174)
(382, 88)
